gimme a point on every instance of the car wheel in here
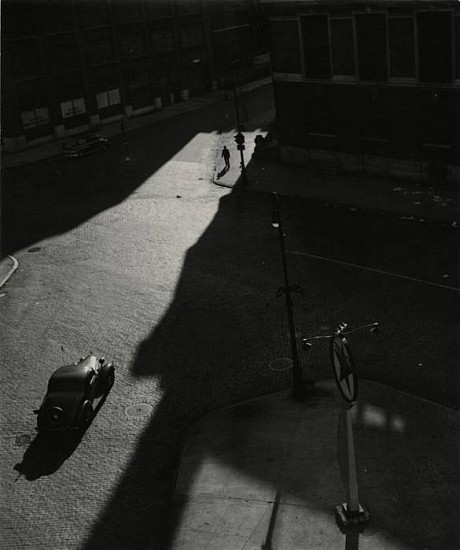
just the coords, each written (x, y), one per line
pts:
(53, 418)
(86, 415)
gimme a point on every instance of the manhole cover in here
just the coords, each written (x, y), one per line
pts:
(281, 364)
(22, 440)
(141, 409)
(34, 249)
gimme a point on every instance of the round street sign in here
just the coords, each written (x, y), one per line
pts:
(344, 369)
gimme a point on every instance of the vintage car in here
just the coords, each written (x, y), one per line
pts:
(72, 390)
(84, 145)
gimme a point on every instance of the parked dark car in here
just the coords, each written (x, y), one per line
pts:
(72, 390)
(84, 145)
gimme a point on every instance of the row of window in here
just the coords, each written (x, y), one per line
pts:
(99, 48)
(370, 46)
(58, 15)
(40, 117)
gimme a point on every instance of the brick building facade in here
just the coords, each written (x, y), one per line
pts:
(369, 86)
(70, 65)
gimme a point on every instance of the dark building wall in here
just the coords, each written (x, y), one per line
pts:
(380, 79)
(72, 64)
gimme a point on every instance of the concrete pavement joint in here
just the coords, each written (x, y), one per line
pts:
(380, 271)
(11, 270)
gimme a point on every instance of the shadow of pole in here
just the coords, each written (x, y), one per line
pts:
(267, 545)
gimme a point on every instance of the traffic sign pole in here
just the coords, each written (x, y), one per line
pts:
(352, 497)
(350, 512)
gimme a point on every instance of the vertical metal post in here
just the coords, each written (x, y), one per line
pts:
(238, 126)
(352, 488)
(298, 389)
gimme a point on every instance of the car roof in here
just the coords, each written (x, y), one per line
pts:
(69, 376)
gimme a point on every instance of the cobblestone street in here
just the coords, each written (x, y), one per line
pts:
(174, 279)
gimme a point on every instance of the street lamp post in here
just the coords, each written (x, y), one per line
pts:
(240, 141)
(298, 389)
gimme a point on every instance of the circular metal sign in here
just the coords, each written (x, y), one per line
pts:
(141, 409)
(344, 369)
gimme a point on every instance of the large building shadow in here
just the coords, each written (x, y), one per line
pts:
(213, 347)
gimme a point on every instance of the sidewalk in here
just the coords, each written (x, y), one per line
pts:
(53, 148)
(412, 200)
(268, 473)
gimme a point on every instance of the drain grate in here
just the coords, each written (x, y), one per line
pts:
(284, 363)
(139, 410)
(22, 440)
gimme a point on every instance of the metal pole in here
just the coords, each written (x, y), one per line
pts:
(238, 126)
(298, 389)
(352, 489)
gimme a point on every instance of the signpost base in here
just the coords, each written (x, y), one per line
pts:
(347, 519)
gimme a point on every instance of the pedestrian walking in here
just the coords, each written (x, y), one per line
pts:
(226, 157)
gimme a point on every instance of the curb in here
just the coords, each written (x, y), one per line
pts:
(11, 270)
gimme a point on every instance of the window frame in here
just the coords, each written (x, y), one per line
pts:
(38, 122)
(344, 77)
(403, 79)
(456, 79)
(386, 79)
(302, 46)
(452, 48)
(73, 101)
(108, 94)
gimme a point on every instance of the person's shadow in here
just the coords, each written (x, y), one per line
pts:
(224, 170)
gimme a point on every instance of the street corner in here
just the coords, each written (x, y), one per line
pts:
(8, 265)
(226, 177)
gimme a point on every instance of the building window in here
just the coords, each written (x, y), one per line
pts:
(343, 61)
(434, 30)
(132, 44)
(73, 107)
(233, 49)
(372, 59)
(55, 16)
(99, 46)
(108, 98)
(457, 48)
(26, 60)
(191, 36)
(127, 11)
(93, 13)
(136, 72)
(401, 41)
(14, 22)
(162, 40)
(158, 8)
(64, 56)
(187, 7)
(285, 53)
(315, 34)
(35, 118)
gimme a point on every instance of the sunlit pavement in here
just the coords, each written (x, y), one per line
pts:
(269, 473)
